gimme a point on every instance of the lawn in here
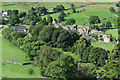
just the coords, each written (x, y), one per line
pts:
(103, 45)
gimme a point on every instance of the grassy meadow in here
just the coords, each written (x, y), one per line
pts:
(11, 52)
(113, 32)
(103, 45)
(12, 6)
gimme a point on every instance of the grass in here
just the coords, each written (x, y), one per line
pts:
(113, 32)
(100, 14)
(78, 17)
(12, 6)
(11, 52)
(103, 45)
(19, 71)
(25, 6)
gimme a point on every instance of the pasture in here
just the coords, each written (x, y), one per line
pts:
(11, 52)
(103, 45)
(12, 6)
(19, 71)
(113, 32)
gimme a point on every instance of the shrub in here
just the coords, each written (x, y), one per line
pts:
(31, 71)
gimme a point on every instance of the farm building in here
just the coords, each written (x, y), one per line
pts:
(20, 28)
(100, 33)
(6, 13)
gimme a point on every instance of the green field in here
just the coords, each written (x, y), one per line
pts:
(101, 10)
(113, 32)
(101, 14)
(19, 71)
(103, 45)
(12, 6)
(11, 52)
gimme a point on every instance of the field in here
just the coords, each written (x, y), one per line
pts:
(113, 32)
(103, 45)
(12, 6)
(11, 52)
(100, 10)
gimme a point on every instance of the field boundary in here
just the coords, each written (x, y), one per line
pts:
(13, 62)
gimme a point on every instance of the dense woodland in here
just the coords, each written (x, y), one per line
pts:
(45, 45)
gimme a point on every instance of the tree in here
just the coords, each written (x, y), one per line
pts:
(70, 22)
(112, 66)
(64, 67)
(72, 6)
(19, 42)
(85, 54)
(111, 9)
(55, 35)
(15, 35)
(46, 34)
(108, 24)
(31, 71)
(22, 14)
(117, 5)
(94, 20)
(61, 18)
(49, 19)
(62, 13)
(14, 19)
(15, 12)
(98, 56)
(6, 32)
(94, 27)
(45, 56)
(73, 10)
(43, 22)
(80, 46)
(35, 31)
(58, 8)
(64, 40)
(41, 10)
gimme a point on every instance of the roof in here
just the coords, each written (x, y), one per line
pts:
(19, 28)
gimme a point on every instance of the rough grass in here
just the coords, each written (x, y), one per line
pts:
(103, 45)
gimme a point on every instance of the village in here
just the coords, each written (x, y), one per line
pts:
(82, 30)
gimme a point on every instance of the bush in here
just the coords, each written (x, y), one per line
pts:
(31, 71)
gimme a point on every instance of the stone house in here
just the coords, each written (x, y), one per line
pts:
(20, 28)
(6, 13)
(81, 29)
(105, 37)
